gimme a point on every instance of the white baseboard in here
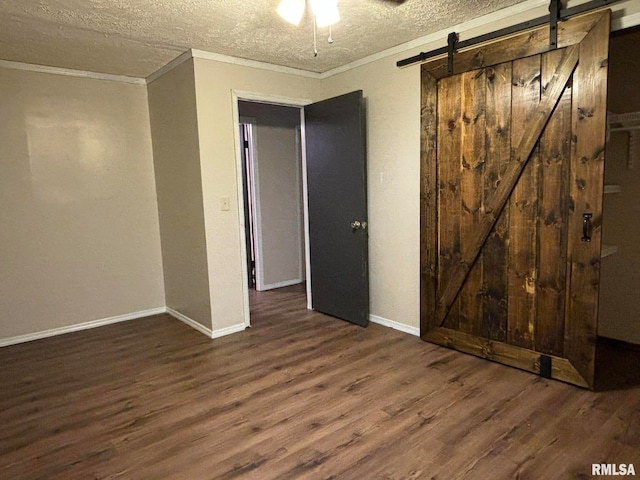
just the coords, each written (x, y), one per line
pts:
(221, 332)
(286, 283)
(4, 342)
(190, 321)
(385, 322)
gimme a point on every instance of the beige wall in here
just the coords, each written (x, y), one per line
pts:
(620, 278)
(393, 149)
(215, 82)
(279, 202)
(79, 237)
(172, 105)
(392, 99)
(79, 223)
(393, 131)
(277, 174)
(393, 152)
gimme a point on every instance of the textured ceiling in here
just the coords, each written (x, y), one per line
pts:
(137, 37)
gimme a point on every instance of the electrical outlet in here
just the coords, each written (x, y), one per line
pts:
(224, 204)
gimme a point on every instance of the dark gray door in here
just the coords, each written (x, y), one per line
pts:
(337, 188)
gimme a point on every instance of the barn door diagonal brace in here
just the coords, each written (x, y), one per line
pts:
(520, 27)
(499, 199)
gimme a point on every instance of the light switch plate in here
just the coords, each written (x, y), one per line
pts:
(224, 204)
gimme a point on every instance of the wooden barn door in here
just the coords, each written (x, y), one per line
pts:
(511, 199)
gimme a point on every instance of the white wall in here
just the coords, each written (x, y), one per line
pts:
(79, 237)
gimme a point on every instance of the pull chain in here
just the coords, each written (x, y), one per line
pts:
(315, 37)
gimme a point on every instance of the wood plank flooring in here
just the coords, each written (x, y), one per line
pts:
(299, 395)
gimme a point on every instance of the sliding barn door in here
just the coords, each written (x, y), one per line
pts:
(512, 179)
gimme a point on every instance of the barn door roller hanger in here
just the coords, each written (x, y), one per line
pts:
(556, 14)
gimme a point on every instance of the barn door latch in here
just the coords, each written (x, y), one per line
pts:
(555, 7)
(586, 227)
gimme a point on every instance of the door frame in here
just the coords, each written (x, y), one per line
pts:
(236, 96)
(254, 215)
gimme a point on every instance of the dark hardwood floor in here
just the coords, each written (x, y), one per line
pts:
(299, 395)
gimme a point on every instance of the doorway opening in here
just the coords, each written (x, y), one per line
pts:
(620, 268)
(331, 133)
(271, 164)
(618, 325)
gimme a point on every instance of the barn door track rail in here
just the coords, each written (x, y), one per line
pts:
(556, 15)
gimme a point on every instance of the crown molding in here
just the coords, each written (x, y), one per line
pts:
(525, 8)
(67, 72)
(179, 60)
(520, 12)
(216, 57)
(523, 11)
(254, 64)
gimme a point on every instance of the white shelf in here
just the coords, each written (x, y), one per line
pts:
(608, 250)
(612, 189)
(624, 121)
(630, 123)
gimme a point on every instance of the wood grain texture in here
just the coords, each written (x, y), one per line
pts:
(506, 353)
(555, 152)
(589, 116)
(298, 396)
(498, 155)
(472, 163)
(495, 206)
(428, 201)
(523, 207)
(449, 150)
(506, 267)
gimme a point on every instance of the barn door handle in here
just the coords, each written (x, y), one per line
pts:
(586, 227)
(357, 225)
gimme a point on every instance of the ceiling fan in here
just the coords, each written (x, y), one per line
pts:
(325, 14)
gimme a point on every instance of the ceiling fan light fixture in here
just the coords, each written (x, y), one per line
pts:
(325, 11)
(291, 10)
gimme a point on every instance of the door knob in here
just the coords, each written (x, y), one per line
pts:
(357, 225)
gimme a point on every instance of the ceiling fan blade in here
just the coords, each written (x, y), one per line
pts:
(395, 2)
